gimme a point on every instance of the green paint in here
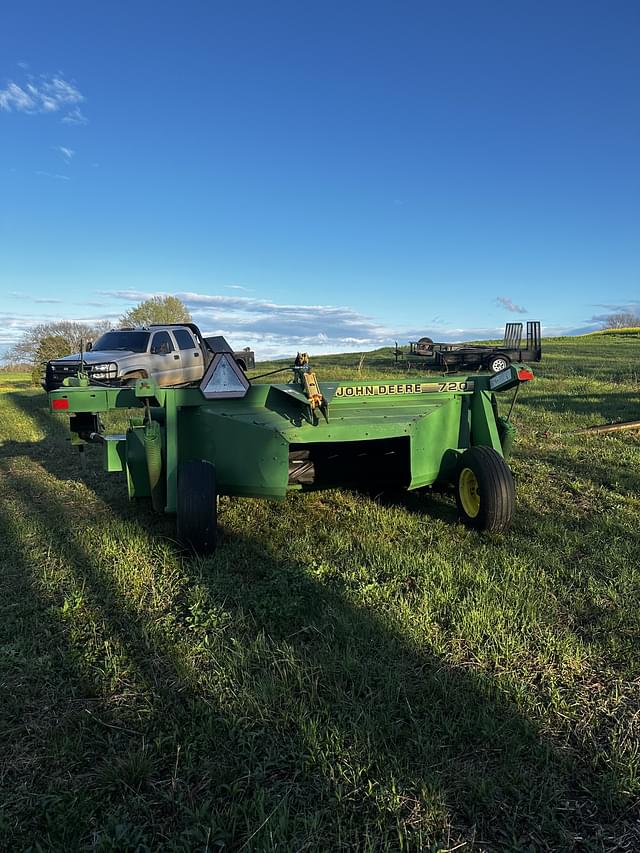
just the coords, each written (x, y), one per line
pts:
(248, 439)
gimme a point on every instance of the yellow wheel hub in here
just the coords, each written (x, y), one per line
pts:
(469, 495)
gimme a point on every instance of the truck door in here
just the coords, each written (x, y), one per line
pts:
(191, 357)
(164, 360)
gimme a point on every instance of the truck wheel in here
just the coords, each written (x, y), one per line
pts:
(498, 363)
(485, 493)
(197, 506)
(130, 380)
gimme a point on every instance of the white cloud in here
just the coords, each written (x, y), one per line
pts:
(508, 303)
(67, 153)
(13, 97)
(619, 307)
(53, 175)
(274, 329)
(13, 326)
(43, 95)
(75, 116)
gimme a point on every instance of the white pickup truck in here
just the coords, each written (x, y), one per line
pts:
(172, 354)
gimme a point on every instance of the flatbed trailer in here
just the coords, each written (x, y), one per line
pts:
(186, 446)
(445, 356)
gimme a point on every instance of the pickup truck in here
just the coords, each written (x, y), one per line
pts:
(172, 354)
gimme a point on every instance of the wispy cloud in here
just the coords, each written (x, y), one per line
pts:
(277, 329)
(53, 175)
(238, 287)
(13, 326)
(67, 153)
(75, 116)
(43, 95)
(612, 308)
(619, 307)
(273, 330)
(510, 305)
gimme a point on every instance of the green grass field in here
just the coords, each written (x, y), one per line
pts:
(351, 671)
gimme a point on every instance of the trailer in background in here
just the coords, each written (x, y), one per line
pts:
(444, 356)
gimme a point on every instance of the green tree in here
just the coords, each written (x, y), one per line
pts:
(51, 346)
(158, 309)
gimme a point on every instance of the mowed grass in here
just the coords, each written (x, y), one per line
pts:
(350, 671)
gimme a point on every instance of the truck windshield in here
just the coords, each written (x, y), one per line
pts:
(126, 341)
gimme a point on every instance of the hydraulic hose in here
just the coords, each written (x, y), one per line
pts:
(507, 435)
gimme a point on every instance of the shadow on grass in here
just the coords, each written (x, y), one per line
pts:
(605, 407)
(435, 502)
(305, 722)
(60, 458)
(615, 476)
(258, 708)
(57, 455)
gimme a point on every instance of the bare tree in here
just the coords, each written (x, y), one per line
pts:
(623, 320)
(27, 350)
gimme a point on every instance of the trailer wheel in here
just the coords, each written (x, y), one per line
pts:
(498, 363)
(197, 506)
(485, 493)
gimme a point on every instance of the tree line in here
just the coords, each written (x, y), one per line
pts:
(56, 339)
(622, 320)
(46, 341)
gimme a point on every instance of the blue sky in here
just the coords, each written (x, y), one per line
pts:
(332, 176)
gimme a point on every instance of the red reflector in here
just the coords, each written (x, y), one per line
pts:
(525, 375)
(58, 405)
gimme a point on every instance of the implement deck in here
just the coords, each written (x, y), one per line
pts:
(412, 431)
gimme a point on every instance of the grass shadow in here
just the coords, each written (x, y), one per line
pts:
(604, 406)
(305, 721)
(250, 703)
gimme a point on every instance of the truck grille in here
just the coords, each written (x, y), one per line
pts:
(56, 373)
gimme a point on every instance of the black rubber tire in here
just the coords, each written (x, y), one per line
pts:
(502, 361)
(197, 506)
(495, 489)
(130, 380)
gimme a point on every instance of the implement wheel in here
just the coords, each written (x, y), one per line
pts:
(485, 493)
(197, 506)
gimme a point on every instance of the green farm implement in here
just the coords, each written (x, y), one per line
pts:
(185, 446)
